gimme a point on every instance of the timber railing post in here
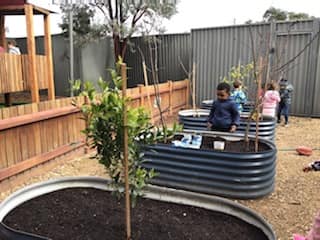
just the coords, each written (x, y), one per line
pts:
(170, 96)
(187, 82)
(28, 8)
(141, 92)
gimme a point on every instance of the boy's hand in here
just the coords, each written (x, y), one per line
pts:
(233, 128)
(307, 169)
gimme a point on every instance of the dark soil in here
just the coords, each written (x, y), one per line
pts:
(230, 146)
(86, 213)
(233, 146)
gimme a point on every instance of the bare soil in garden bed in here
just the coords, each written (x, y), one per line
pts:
(289, 209)
(86, 213)
(237, 146)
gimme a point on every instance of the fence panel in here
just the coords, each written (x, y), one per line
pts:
(32, 134)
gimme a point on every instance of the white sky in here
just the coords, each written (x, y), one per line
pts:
(194, 14)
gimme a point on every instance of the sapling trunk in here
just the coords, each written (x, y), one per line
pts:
(154, 70)
(256, 145)
(126, 150)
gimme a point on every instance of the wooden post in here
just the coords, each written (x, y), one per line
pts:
(2, 32)
(125, 150)
(48, 53)
(145, 76)
(141, 92)
(7, 98)
(194, 86)
(28, 9)
(187, 93)
(257, 102)
(170, 96)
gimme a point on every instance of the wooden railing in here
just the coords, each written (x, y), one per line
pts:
(14, 75)
(32, 134)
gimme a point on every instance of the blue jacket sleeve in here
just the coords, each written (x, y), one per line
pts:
(235, 114)
(213, 108)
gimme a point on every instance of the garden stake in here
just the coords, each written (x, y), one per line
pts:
(194, 86)
(125, 149)
(145, 76)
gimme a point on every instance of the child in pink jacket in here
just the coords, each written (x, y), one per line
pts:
(270, 101)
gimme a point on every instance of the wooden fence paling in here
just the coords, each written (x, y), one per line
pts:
(29, 163)
(14, 72)
(34, 133)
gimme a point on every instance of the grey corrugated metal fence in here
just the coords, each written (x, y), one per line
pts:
(216, 50)
(173, 52)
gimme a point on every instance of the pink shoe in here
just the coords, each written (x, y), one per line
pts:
(298, 237)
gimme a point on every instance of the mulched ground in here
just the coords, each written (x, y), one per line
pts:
(86, 213)
(289, 209)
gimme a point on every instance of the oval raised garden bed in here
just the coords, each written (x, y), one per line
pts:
(247, 107)
(47, 198)
(234, 172)
(197, 120)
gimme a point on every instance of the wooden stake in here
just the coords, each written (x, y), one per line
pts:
(48, 53)
(31, 44)
(3, 42)
(145, 76)
(194, 86)
(125, 149)
(257, 103)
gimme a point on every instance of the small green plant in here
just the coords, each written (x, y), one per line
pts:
(105, 132)
(239, 73)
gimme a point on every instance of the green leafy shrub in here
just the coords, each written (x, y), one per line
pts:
(104, 114)
(241, 73)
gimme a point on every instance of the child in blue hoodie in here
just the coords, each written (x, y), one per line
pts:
(224, 115)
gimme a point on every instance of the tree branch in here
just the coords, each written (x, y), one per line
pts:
(117, 10)
(136, 19)
(110, 10)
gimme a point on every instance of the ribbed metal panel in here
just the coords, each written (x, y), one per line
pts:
(211, 203)
(197, 120)
(234, 175)
(316, 99)
(222, 48)
(297, 71)
(215, 51)
(173, 51)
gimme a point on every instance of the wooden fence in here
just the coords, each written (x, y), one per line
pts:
(14, 75)
(35, 133)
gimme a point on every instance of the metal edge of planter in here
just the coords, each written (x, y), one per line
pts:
(153, 192)
(189, 121)
(203, 171)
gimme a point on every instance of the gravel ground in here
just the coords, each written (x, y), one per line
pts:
(289, 209)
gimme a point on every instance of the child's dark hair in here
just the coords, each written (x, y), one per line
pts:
(237, 84)
(224, 86)
(272, 86)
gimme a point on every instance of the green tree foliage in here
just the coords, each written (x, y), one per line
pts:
(277, 14)
(121, 18)
(84, 28)
(105, 131)
(243, 73)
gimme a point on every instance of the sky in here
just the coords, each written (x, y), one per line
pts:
(193, 14)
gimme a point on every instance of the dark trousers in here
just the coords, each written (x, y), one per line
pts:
(283, 109)
(219, 129)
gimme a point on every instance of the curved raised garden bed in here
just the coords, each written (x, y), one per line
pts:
(167, 196)
(207, 104)
(197, 120)
(230, 173)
